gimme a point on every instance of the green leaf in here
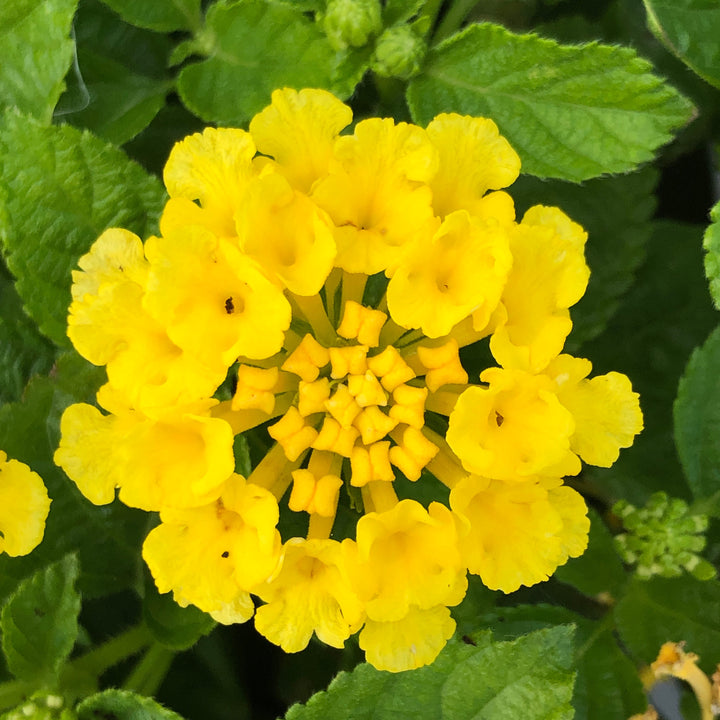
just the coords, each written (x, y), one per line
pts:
(616, 240)
(60, 189)
(237, 79)
(162, 15)
(599, 569)
(571, 111)
(529, 677)
(23, 350)
(35, 54)
(175, 627)
(697, 422)
(689, 29)
(662, 319)
(122, 705)
(678, 609)
(107, 539)
(40, 622)
(607, 684)
(400, 11)
(711, 243)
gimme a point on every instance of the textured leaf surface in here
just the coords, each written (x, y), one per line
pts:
(697, 422)
(163, 15)
(662, 319)
(599, 569)
(259, 47)
(122, 705)
(690, 30)
(35, 53)
(529, 677)
(607, 684)
(711, 243)
(655, 611)
(617, 239)
(571, 112)
(61, 188)
(40, 622)
(107, 539)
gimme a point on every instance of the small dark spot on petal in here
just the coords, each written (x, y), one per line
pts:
(499, 419)
(229, 306)
(226, 554)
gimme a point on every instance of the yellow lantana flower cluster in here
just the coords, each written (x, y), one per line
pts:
(321, 286)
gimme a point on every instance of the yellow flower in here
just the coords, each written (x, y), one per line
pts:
(518, 533)
(311, 593)
(442, 279)
(24, 507)
(375, 193)
(211, 556)
(513, 429)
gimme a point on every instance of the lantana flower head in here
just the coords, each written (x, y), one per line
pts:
(316, 286)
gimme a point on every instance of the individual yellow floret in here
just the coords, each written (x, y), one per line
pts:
(336, 438)
(409, 405)
(361, 323)
(368, 464)
(342, 406)
(255, 389)
(443, 365)
(474, 158)
(373, 424)
(315, 495)
(367, 390)
(442, 279)
(298, 129)
(311, 593)
(307, 359)
(24, 507)
(312, 396)
(390, 368)
(293, 434)
(413, 453)
(350, 360)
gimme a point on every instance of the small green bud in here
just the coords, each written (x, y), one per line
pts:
(399, 53)
(351, 22)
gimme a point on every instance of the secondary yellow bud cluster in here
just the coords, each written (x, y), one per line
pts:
(318, 289)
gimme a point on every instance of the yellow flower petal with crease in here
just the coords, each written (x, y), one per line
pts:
(288, 235)
(24, 507)
(213, 168)
(408, 643)
(311, 593)
(474, 158)
(298, 130)
(441, 280)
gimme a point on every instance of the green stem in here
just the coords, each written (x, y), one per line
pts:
(430, 11)
(149, 673)
(454, 18)
(129, 643)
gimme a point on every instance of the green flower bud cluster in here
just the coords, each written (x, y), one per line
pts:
(351, 23)
(41, 707)
(663, 538)
(399, 53)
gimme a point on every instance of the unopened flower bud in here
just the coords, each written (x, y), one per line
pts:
(351, 22)
(399, 53)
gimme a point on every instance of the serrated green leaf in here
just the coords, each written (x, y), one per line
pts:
(485, 680)
(571, 111)
(697, 422)
(60, 189)
(107, 539)
(607, 683)
(399, 11)
(258, 47)
(178, 628)
(599, 569)
(123, 705)
(616, 240)
(662, 319)
(39, 622)
(679, 609)
(24, 352)
(162, 15)
(689, 29)
(35, 53)
(711, 243)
